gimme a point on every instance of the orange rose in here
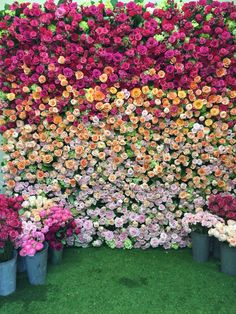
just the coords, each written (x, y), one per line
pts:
(99, 96)
(79, 150)
(161, 74)
(108, 70)
(11, 184)
(136, 92)
(57, 119)
(70, 164)
(40, 175)
(42, 79)
(79, 75)
(221, 72)
(47, 159)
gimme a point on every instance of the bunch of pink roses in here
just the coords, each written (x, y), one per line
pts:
(58, 226)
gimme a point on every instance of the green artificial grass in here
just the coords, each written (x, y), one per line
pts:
(105, 281)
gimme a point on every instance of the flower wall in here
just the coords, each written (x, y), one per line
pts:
(124, 114)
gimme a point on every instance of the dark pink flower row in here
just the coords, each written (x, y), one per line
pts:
(223, 205)
(131, 39)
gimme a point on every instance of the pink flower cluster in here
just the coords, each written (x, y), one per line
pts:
(58, 225)
(10, 224)
(223, 205)
(32, 239)
(55, 225)
(201, 221)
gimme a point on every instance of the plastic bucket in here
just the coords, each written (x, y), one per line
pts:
(21, 264)
(200, 246)
(228, 259)
(37, 266)
(8, 276)
(216, 248)
(55, 256)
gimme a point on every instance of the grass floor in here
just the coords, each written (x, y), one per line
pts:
(105, 281)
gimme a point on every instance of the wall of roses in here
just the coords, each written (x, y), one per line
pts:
(125, 115)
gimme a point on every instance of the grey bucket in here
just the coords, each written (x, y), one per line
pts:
(228, 259)
(21, 264)
(8, 276)
(55, 256)
(200, 246)
(37, 266)
(216, 248)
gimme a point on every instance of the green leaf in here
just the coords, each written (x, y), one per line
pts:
(175, 246)
(130, 153)
(6, 7)
(84, 25)
(61, 1)
(21, 212)
(113, 2)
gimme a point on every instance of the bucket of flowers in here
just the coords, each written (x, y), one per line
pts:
(10, 229)
(198, 225)
(32, 245)
(226, 234)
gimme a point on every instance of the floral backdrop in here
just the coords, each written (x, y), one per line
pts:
(123, 113)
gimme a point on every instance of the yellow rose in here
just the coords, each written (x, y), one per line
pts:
(214, 111)
(198, 104)
(181, 94)
(120, 95)
(113, 90)
(208, 122)
(89, 97)
(11, 96)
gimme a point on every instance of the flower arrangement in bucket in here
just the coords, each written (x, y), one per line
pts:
(225, 232)
(10, 230)
(43, 224)
(223, 205)
(31, 243)
(32, 238)
(198, 225)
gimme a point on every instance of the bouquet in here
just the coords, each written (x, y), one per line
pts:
(225, 232)
(43, 221)
(33, 231)
(223, 205)
(200, 222)
(10, 225)
(58, 225)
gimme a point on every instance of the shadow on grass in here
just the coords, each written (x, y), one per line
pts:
(27, 294)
